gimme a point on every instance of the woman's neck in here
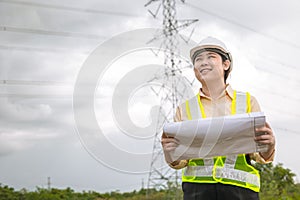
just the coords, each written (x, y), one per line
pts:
(214, 89)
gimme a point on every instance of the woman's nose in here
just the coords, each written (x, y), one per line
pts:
(204, 62)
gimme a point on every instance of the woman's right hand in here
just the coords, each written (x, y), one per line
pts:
(169, 143)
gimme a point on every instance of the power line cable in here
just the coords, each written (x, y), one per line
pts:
(278, 62)
(39, 83)
(287, 130)
(243, 26)
(41, 50)
(56, 83)
(52, 33)
(282, 112)
(280, 75)
(67, 8)
(37, 49)
(91, 36)
(37, 96)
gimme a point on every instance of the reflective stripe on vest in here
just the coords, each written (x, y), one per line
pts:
(223, 169)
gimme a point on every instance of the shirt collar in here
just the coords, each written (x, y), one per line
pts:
(229, 91)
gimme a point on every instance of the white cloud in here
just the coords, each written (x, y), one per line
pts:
(22, 111)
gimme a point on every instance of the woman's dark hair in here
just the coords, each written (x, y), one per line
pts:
(226, 72)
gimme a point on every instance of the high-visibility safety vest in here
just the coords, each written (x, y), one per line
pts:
(233, 169)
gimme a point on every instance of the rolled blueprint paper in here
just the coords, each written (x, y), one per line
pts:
(218, 136)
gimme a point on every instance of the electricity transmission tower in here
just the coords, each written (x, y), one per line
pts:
(171, 92)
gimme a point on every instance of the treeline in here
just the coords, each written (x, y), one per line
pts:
(8, 193)
(277, 182)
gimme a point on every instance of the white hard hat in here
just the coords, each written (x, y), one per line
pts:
(210, 44)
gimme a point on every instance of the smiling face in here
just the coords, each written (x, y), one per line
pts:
(209, 66)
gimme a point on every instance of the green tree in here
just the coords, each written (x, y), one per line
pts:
(8, 193)
(277, 182)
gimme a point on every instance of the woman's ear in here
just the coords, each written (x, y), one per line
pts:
(226, 65)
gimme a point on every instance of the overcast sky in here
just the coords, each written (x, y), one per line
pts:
(44, 46)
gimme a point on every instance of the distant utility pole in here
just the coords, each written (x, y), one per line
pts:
(49, 183)
(162, 176)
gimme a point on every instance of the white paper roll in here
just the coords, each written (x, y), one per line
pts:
(219, 136)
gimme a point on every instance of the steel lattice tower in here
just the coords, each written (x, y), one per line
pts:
(161, 176)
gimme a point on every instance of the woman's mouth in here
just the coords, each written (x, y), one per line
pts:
(204, 70)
